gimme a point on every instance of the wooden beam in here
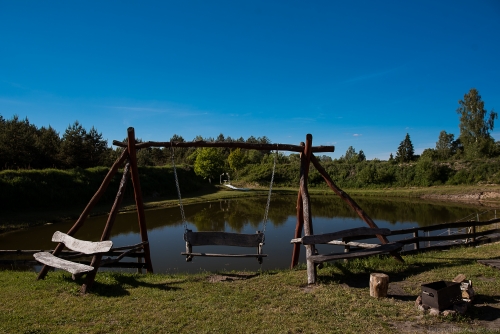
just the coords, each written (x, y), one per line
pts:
(96, 260)
(143, 230)
(387, 248)
(102, 189)
(327, 237)
(201, 143)
(351, 203)
(299, 226)
(306, 204)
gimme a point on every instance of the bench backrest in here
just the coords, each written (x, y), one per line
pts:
(86, 247)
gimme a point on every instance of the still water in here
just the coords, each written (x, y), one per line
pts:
(165, 228)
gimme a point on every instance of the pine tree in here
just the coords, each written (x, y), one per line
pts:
(405, 152)
(475, 125)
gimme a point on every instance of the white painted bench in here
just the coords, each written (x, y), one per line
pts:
(85, 247)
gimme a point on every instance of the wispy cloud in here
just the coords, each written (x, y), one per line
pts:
(357, 135)
(175, 111)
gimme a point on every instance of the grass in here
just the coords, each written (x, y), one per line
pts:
(266, 302)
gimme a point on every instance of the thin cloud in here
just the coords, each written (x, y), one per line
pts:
(173, 111)
(357, 135)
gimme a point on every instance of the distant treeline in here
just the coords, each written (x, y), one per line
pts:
(55, 188)
(40, 167)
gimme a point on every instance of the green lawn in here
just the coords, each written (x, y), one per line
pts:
(266, 302)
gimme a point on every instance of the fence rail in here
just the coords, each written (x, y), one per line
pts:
(469, 233)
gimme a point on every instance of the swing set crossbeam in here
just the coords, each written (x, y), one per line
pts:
(250, 146)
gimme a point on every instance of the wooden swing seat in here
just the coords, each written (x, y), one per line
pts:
(223, 239)
(328, 238)
(82, 246)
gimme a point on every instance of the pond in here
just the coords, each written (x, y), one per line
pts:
(165, 228)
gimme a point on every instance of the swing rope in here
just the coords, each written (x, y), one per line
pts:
(269, 197)
(183, 216)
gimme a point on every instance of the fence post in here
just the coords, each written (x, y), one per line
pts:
(416, 245)
(347, 248)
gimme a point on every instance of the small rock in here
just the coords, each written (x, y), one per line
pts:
(459, 279)
(418, 301)
(421, 308)
(449, 312)
(434, 312)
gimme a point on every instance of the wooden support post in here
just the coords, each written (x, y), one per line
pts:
(416, 245)
(347, 248)
(308, 228)
(351, 203)
(96, 259)
(143, 230)
(379, 284)
(102, 189)
(299, 226)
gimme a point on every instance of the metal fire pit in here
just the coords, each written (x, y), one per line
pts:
(441, 294)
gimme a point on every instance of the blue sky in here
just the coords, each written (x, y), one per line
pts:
(351, 73)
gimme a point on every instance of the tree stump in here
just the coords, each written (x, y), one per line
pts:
(379, 283)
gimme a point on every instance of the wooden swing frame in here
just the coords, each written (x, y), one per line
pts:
(304, 221)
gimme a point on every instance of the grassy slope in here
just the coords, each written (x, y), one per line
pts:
(273, 302)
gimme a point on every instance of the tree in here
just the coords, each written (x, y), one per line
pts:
(446, 145)
(18, 143)
(73, 146)
(405, 152)
(475, 125)
(95, 147)
(350, 155)
(361, 156)
(236, 160)
(209, 162)
(48, 145)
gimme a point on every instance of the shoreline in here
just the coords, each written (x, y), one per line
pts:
(478, 195)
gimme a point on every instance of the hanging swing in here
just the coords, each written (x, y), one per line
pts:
(223, 238)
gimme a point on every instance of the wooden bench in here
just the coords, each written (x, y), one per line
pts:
(84, 247)
(223, 239)
(328, 238)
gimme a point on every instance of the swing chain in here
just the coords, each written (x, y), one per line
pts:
(183, 216)
(269, 197)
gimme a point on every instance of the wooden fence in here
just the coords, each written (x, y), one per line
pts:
(469, 233)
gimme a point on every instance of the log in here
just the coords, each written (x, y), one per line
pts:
(143, 230)
(306, 208)
(201, 143)
(379, 283)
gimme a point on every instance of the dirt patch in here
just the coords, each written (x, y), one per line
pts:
(472, 197)
(419, 326)
(229, 277)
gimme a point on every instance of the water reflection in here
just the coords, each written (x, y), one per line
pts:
(166, 229)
